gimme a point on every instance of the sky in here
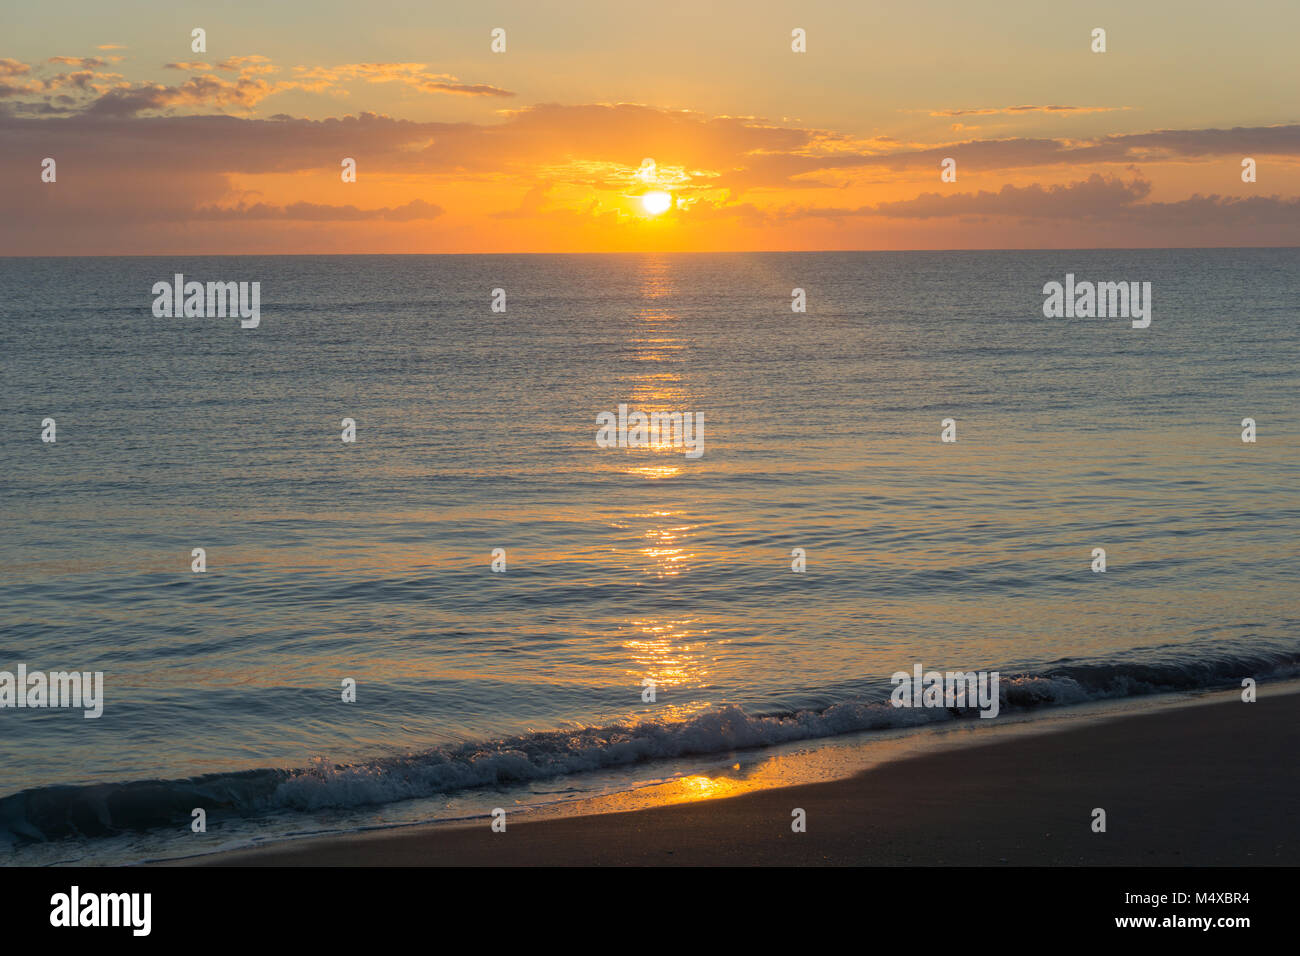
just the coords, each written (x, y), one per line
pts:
(553, 144)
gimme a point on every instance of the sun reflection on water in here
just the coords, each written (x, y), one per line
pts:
(669, 652)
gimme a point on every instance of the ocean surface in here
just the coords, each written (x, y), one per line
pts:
(475, 430)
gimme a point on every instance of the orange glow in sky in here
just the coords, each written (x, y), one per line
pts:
(555, 145)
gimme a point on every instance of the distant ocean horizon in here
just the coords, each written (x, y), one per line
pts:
(1030, 250)
(476, 430)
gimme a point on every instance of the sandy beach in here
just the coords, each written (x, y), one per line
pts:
(1209, 785)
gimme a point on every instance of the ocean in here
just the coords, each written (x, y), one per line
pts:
(371, 561)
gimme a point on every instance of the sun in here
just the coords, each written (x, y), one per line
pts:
(657, 201)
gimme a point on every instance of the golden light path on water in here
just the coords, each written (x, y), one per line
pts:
(669, 651)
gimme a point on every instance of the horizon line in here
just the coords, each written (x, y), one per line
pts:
(629, 252)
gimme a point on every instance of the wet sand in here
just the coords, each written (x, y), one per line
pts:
(1210, 785)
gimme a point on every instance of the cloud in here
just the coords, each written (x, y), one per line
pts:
(530, 206)
(1012, 110)
(600, 145)
(415, 75)
(317, 212)
(1097, 199)
(248, 65)
(1218, 212)
(565, 166)
(53, 93)
(207, 90)
(1118, 148)
(85, 62)
(1097, 196)
(19, 88)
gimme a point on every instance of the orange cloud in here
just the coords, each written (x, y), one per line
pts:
(248, 65)
(85, 62)
(415, 75)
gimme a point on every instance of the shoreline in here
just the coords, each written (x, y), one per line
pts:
(1204, 784)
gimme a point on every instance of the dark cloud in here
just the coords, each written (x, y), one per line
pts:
(1098, 199)
(1013, 110)
(318, 212)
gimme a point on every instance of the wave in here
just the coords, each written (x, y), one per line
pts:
(98, 810)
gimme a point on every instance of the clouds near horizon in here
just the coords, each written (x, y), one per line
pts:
(203, 157)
